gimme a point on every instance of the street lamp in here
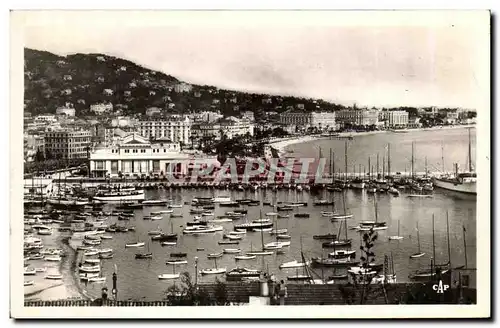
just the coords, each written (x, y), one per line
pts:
(196, 271)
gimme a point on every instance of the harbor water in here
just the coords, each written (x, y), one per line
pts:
(138, 279)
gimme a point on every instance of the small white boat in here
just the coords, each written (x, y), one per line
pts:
(166, 211)
(91, 269)
(342, 217)
(175, 206)
(40, 269)
(207, 214)
(105, 250)
(395, 237)
(156, 217)
(234, 237)
(91, 252)
(29, 271)
(168, 276)
(215, 255)
(277, 244)
(231, 250)
(263, 229)
(97, 279)
(138, 244)
(168, 243)
(220, 220)
(29, 283)
(293, 264)
(86, 276)
(56, 258)
(155, 232)
(272, 247)
(244, 257)
(213, 271)
(45, 232)
(271, 214)
(417, 255)
(278, 231)
(54, 276)
(283, 236)
(328, 214)
(259, 253)
(92, 261)
(106, 237)
(177, 262)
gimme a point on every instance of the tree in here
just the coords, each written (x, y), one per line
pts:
(39, 156)
(188, 294)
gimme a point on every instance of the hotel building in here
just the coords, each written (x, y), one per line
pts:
(136, 155)
(67, 144)
(320, 120)
(177, 130)
(394, 119)
(359, 117)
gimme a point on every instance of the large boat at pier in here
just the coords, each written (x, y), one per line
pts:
(464, 182)
(120, 196)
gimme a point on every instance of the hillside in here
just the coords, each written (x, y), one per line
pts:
(79, 80)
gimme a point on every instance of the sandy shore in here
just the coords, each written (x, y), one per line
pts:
(45, 289)
(281, 144)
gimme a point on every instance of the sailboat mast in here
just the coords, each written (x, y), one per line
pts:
(345, 159)
(465, 247)
(412, 158)
(433, 242)
(389, 159)
(369, 168)
(442, 156)
(425, 175)
(261, 233)
(470, 154)
(418, 239)
(448, 238)
(383, 167)
(377, 165)
(376, 211)
(398, 227)
(331, 159)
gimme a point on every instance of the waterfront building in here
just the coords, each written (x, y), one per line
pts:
(394, 119)
(176, 129)
(452, 117)
(136, 155)
(320, 120)
(358, 117)
(101, 108)
(68, 144)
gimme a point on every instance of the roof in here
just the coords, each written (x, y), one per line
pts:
(237, 291)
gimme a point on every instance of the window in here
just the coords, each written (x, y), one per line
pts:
(127, 150)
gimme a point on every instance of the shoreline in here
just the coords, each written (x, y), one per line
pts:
(281, 145)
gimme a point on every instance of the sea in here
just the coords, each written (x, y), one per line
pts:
(138, 279)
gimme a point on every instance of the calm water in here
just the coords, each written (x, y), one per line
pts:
(137, 279)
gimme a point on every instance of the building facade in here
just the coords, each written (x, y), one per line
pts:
(232, 127)
(175, 129)
(358, 117)
(137, 156)
(68, 144)
(394, 119)
(320, 120)
(45, 119)
(68, 111)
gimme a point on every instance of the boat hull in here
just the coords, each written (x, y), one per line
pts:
(466, 188)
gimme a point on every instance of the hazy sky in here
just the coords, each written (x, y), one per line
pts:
(367, 58)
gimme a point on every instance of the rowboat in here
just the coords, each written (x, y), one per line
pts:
(97, 279)
(244, 257)
(215, 255)
(176, 262)
(54, 276)
(213, 271)
(168, 276)
(283, 236)
(29, 283)
(293, 264)
(138, 244)
(168, 243)
(53, 258)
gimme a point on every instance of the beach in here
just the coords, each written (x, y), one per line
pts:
(281, 144)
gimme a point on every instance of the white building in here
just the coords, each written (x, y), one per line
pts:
(174, 129)
(357, 117)
(394, 119)
(249, 115)
(101, 108)
(320, 120)
(232, 127)
(136, 155)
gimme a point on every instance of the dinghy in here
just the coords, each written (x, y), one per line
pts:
(168, 276)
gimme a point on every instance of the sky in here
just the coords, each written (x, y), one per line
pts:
(380, 59)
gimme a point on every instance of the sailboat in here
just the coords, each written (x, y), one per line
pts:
(345, 215)
(213, 270)
(263, 252)
(431, 273)
(397, 237)
(375, 225)
(147, 255)
(276, 244)
(339, 242)
(305, 275)
(419, 253)
(172, 275)
(462, 182)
